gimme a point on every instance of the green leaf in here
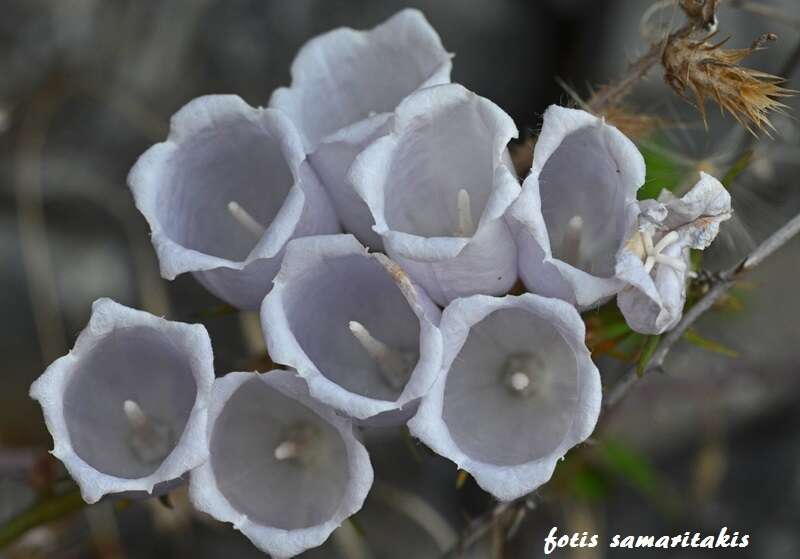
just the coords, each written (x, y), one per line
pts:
(630, 465)
(694, 338)
(589, 484)
(662, 171)
(650, 345)
(611, 331)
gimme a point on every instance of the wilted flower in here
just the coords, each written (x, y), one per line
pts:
(518, 389)
(655, 259)
(576, 207)
(438, 186)
(283, 469)
(345, 86)
(127, 406)
(363, 335)
(225, 193)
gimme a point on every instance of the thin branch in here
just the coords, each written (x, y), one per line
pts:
(480, 525)
(610, 94)
(721, 284)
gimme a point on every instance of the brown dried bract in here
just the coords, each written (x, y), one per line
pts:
(633, 125)
(710, 71)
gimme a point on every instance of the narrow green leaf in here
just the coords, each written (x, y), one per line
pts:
(694, 338)
(589, 484)
(630, 465)
(738, 166)
(650, 345)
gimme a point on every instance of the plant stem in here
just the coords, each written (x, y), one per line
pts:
(45, 510)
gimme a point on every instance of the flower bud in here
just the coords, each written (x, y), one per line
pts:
(518, 389)
(354, 326)
(225, 193)
(438, 187)
(345, 86)
(127, 406)
(283, 469)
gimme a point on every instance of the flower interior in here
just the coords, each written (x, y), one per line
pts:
(583, 201)
(512, 390)
(353, 322)
(276, 460)
(225, 188)
(128, 402)
(442, 174)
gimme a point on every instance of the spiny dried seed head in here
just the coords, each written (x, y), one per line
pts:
(710, 71)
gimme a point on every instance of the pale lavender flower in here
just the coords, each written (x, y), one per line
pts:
(225, 193)
(127, 406)
(438, 187)
(354, 326)
(576, 208)
(283, 469)
(518, 389)
(655, 260)
(345, 86)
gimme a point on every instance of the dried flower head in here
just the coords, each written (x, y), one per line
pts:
(710, 71)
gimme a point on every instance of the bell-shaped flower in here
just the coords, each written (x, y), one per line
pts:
(127, 406)
(225, 193)
(284, 469)
(354, 326)
(576, 207)
(345, 86)
(438, 187)
(655, 260)
(518, 389)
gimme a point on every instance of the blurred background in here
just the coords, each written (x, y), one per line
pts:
(88, 85)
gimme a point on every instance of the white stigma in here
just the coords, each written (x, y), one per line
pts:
(571, 243)
(149, 438)
(653, 254)
(394, 364)
(376, 348)
(246, 220)
(287, 449)
(519, 381)
(136, 417)
(466, 227)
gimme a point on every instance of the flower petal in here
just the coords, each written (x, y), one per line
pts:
(327, 284)
(345, 86)
(222, 151)
(653, 300)
(508, 432)
(576, 207)
(164, 368)
(283, 504)
(438, 187)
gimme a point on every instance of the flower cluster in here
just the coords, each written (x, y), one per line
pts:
(404, 317)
